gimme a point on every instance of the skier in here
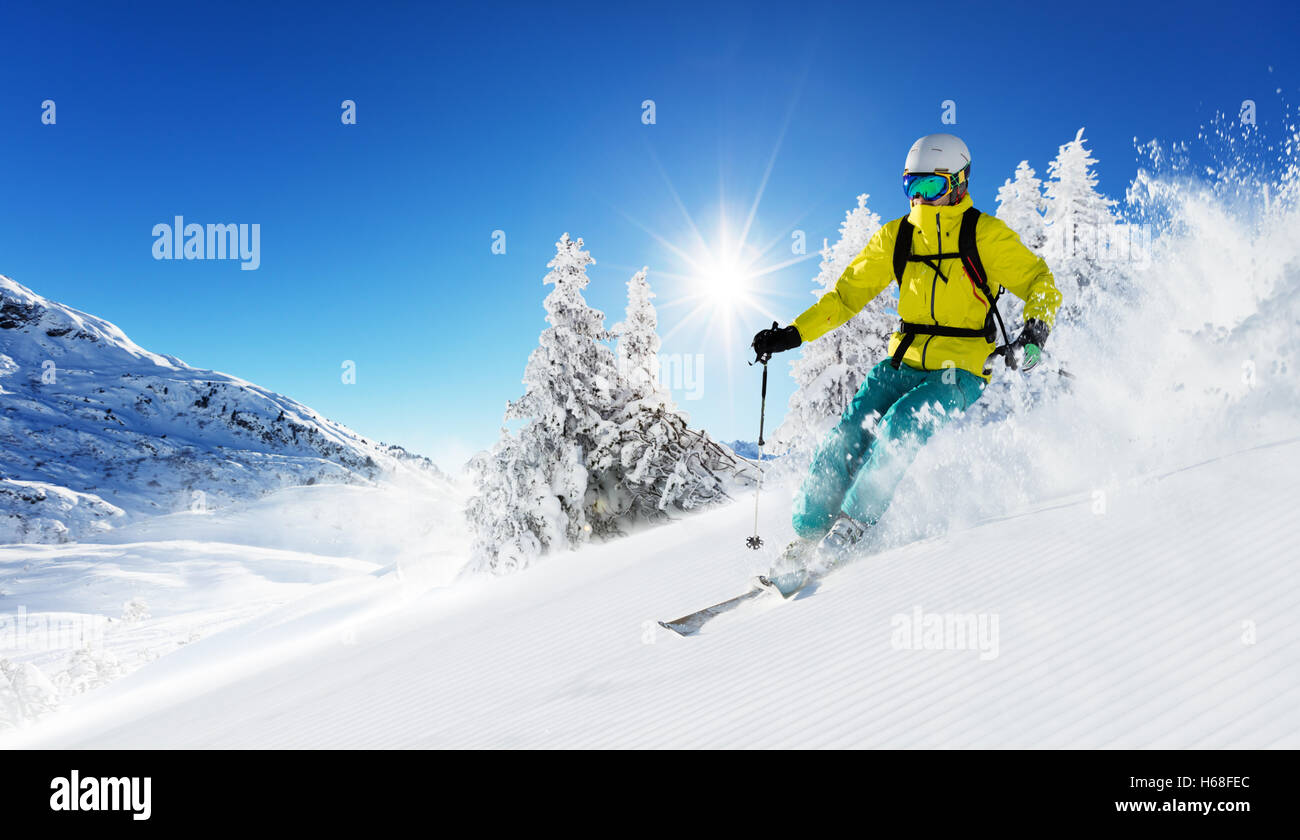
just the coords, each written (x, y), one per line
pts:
(951, 263)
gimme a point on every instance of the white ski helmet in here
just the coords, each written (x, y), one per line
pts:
(943, 153)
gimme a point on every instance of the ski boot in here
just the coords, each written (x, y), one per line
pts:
(794, 557)
(839, 541)
(789, 573)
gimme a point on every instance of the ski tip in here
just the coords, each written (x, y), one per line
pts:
(787, 586)
(680, 630)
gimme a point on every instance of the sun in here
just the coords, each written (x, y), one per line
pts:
(724, 283)
(721, 278)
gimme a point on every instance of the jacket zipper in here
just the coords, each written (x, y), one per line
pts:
(934, 287)
(934, 281)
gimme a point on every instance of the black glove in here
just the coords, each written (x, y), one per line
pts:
(1025, 352)
(774, 340)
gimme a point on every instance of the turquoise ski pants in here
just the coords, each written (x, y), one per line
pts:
(862, 460)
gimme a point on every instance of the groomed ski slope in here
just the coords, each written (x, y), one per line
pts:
(1168, 620)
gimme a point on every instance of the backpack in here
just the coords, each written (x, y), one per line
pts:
(969, 255)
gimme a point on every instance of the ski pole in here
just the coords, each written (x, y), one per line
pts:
(1009, 359)
(756, 542)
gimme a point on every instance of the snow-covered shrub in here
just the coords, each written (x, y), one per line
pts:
(88, 668)
(25, 693)
(663, 464)
(135, 610)
(514, 513)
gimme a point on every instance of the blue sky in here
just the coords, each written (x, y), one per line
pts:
(376, 237)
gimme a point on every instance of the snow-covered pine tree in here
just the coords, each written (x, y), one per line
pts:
(1021, 205)
(657, 462)
(1079, 226)
(572, 388)
(832, 368)
(638, 341)
(596, 452)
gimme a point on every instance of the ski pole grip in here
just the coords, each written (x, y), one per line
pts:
(762, 357)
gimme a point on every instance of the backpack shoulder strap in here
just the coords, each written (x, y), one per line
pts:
(970, 251)
(902, 247)
(970, 257)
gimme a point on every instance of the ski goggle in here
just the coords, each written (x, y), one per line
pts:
(932, 185)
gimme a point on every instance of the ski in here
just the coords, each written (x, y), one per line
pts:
(785, 586)
(690, 624)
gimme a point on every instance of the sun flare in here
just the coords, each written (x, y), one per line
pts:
(721, 277)
(724, 284)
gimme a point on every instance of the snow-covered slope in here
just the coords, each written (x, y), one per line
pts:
(1148, 624)
(95, 430)
(74, 617)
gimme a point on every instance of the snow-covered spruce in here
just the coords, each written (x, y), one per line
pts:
(96, 431)
(1021, 205)
(656, 462)
(638, 341)
(831, 369)
(532, 490)
(1079, 224)
(601, 447)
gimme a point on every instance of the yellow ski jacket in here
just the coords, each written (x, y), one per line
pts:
(925, 298)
